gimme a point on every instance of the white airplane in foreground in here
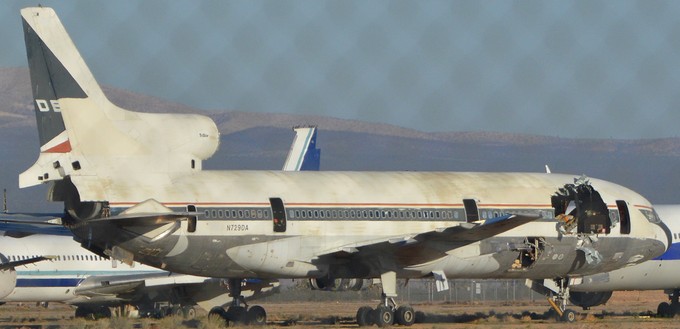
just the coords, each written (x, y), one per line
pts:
(133, 189)
(75, 276)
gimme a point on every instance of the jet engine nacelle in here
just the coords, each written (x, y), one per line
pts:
(587, 300)
(333, 284)
(194, 135)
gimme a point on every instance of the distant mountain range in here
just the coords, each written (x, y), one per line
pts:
(261, 141)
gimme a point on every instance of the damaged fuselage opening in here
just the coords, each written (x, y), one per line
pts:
(529, 252)
(580, 209)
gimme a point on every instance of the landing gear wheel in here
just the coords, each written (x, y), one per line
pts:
(364, 318)
(236, 314)
(189, 312)
(405, 315)
(568, 316)
(217, 313)
(664, 310)
(256, 316)
(383, 316)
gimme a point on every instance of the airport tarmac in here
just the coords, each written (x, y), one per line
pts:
(625, 310)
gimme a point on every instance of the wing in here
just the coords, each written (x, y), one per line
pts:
(206, 292)
(14, 264)
(410, 250)
(20, 225)
(125, 285)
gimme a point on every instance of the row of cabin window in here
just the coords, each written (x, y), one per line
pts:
(60, 258)
(373, 213)
(346, 213)
(297, 214)
(238, 214)
(392, 214)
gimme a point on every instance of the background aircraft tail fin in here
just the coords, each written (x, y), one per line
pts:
(303, 154)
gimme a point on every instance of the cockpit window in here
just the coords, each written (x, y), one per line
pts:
(651, 215)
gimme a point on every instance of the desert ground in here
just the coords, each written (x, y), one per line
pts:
(624, 310)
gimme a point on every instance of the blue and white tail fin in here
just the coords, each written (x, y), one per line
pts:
(303, 154)
(82, 134)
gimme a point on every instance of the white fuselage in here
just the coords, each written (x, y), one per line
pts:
(330, 212)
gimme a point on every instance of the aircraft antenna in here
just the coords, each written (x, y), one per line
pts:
(4, 200)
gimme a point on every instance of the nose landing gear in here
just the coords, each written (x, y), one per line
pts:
(557, 293)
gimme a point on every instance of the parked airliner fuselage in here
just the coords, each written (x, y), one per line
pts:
(133, 188)
(325, 214)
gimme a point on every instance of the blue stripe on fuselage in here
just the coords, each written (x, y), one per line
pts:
(46, 283)
(673, 253)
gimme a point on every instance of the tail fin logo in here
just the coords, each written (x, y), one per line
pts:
(58, 144)
(45, 106)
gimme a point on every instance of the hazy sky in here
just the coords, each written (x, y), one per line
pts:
(559, 68)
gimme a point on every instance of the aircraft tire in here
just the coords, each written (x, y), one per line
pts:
(236, 315)
(405, 316)
(383, 316)
(256, 316)
(364, 316)
(189, 312)
(217, 312)
(664, 310)
(569, 316)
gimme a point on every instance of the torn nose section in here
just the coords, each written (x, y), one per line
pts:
(579, 209)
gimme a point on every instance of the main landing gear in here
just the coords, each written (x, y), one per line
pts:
(387, 312)
(239, 312)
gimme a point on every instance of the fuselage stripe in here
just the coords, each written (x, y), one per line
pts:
(54, 282)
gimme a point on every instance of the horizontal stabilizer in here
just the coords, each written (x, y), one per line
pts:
(146, 213)
(146, 219)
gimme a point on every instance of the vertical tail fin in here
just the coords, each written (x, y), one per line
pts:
(82, 134)
(303, 154)
(57, 71)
